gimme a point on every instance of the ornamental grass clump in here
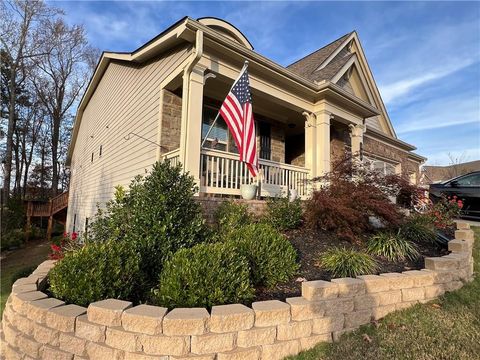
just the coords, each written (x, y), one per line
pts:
(418, 229)
(392, 246)
(203, 276)
(347, 262)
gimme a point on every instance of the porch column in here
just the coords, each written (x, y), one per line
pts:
(322, 138)
(310, 151)
(191, 127)
(356, 136)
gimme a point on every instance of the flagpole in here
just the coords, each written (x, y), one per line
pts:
(245, 65)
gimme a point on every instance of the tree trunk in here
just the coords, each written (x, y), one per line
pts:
(55, 137)
(11, 127)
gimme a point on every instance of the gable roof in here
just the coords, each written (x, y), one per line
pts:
(307, 65)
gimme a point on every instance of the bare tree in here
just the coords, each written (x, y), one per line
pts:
(454, 167)
(65, 74)
(20, 37)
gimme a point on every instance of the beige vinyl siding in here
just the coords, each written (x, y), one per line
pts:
(127, 99)
(374, 122)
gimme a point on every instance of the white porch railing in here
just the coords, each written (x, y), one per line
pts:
(223, 173)
(172, 156)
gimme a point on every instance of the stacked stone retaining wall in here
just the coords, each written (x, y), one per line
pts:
(38, 327)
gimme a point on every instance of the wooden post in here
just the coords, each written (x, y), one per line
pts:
(50, 221)
(28, 228)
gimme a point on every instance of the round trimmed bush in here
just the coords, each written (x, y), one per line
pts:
(97, 271)
(231, 216)
(392, 246)
(284, 214)
(343, 262)
(204, 275)
(271, 256)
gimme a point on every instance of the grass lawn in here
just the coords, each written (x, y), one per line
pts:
(448, 328)
(18, 261)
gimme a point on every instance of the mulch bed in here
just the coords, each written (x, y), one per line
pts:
(310, 244)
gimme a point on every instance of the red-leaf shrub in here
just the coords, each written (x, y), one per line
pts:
(351, 193)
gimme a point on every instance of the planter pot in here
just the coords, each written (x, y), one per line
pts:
(248, 191)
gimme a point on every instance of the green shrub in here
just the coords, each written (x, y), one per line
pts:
(13, 216)
(158, 213)
(284, 214)
(418, 229)
(230, 216)
(98, 270)
(392, 246)
(13, 239)
(204, 275)
(270, 254)
(343, 262)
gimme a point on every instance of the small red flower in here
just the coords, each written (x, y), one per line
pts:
(460, 204)
(74, 235)
(55, 248)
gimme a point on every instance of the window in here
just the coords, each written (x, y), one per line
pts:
(100, 151)
(469, 180)
(265, 140)
(219, 137)
(74, 221)
(86, 224)
(92, 158)
(380, 166)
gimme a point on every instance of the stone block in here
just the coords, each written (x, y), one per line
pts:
(413, 294)
(319, 290)
(45, 335)
(405, 305)
(464, 235)
(303, 309)
(13, 353)
(23, 324)
(102, 352)
(186, 321)
(212, 343)
(70, 343)
(37, 310)
(459, 246)
(29, 346)
(462, 225)
(434, 291)
(229, 318)
(165, 345)
(24, 288)
(338, 306)
(193, 357)
(398, 281)
(440, 276)
(10, 334)
(389, 297)
(380, 312)
(294, 330)
(327, 324)
(348, 287)
(453, 285)
(256, 337)
(364, 302)
(51, 353)
(108, 312)
(375, 283)
(280, 350)
(271, 313)
(309, 342)
(19, 301)
(357, 318)
(252, 353)
(142, 356)
(121, 339)
(145, 319)
(441, 263)
(88, 330)
(63, 317)
(420, 278)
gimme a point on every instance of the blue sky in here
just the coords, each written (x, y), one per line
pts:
(425, 56)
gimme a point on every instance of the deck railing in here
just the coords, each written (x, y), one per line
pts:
(172, 156)
(223, 173)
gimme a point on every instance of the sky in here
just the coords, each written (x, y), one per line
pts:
(425, 56)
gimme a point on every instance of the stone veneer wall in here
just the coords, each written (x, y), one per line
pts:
(36, 326)
(171, 121)
(210, 205)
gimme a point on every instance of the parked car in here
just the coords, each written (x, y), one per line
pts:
(465, 187)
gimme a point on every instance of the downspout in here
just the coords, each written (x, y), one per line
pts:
(197, 54)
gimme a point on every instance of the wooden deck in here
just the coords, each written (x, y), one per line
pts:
(47, 209)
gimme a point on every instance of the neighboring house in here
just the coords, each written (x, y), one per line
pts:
(433, 174)
(156, 103)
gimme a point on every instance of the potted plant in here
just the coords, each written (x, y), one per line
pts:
(248, 191)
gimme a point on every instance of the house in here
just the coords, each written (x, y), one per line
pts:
(159, 100)
(433, 174)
